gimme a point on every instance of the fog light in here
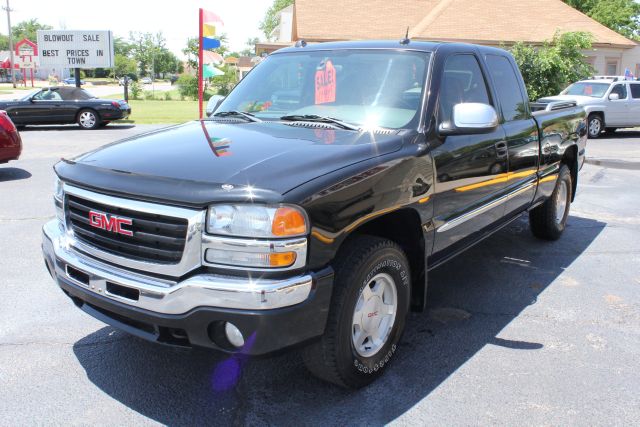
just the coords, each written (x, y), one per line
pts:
(233, 335)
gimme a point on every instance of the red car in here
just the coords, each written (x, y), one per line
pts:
(10, 141)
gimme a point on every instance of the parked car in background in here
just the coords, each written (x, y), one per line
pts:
(71, 81)
(62, 105)
(10, 141)
(611, 103)
(146, 80)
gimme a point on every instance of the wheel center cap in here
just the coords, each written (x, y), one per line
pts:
(371, 315)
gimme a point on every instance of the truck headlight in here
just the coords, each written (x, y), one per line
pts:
(257, 237)
(247, 220)
(58, 198)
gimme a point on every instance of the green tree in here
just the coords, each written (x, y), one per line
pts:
(250, 50)
(28, 29)
(166, 62)
(191, 50)
(270, 21)
(124, 65)
(619, 15)
(548, 69)
(145, 48)
(122, 47)
(4, 42)
(227, 81)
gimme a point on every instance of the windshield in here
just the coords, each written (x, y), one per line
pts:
(29, 96)
(594, 90)
(372, 88)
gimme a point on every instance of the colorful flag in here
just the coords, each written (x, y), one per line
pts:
(210, 25)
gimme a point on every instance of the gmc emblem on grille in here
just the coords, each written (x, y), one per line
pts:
(110, 223)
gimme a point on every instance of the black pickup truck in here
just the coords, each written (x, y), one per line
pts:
(308, 209)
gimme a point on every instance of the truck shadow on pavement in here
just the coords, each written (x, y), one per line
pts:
(471, 299)
(13, 174)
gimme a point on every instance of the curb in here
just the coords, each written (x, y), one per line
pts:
(613, 163)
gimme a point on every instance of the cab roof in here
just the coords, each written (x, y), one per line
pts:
(413, 45)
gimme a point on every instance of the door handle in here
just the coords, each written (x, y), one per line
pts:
(501, 149)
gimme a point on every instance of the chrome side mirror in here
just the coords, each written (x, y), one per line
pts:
(614, 96)
(470, 118)
(213, 104)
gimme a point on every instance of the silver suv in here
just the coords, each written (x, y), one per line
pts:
(610, 103)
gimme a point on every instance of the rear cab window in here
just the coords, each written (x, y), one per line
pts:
(635, 90)
(512, 101)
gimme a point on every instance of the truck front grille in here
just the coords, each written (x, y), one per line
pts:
(156, 238)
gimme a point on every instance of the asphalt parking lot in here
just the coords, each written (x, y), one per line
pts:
(518, 331)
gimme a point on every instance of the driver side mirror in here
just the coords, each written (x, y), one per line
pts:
(470, 118)
(213, 104)
(614, 96)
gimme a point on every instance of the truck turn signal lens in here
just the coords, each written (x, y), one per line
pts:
(282, 259)
(288, 222)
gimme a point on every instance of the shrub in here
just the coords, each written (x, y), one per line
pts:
(548, 69)
(135, 89)
(167, 96)
(188, 86)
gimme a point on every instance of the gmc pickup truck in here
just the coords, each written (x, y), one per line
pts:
(308, 209)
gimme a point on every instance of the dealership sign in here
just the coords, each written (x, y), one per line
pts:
(75, 49)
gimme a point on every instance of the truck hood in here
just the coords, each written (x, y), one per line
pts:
(579, 99)
(189, 164)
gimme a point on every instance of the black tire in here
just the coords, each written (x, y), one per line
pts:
(334, 357)
(88, 119)
(595, 125)
(545, 221)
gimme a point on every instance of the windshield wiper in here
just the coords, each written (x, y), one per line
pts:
(247, 116)
(319, 119)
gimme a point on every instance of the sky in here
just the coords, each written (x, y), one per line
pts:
(178, 20)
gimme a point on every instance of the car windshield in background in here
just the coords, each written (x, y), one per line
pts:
(368, 88)
(594, 90)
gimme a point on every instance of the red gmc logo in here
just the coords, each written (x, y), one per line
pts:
(110, 223)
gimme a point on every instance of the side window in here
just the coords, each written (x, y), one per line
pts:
(48, 95)
(507, 88)
(621, 90)
(462, 81)
(635, 90)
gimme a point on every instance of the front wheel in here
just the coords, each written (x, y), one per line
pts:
(595, 126)
(369, 307)
(548, 220)
(88, 119)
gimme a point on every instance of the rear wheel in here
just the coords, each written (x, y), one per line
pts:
(548, 220)
(88, 119)
(369, 306)
(595, 125)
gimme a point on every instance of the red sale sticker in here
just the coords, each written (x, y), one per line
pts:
(326, 83)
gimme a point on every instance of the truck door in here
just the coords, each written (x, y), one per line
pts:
(634, 104)
(617, 112)
(520, 130)
(470, 169)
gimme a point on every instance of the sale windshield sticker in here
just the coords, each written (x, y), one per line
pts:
(325, 83)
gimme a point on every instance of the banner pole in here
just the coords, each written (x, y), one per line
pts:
(200, 63)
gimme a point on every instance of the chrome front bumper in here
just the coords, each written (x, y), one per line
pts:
(166, 296)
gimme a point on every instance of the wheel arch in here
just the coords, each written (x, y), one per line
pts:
(403, 227)
(570, 158)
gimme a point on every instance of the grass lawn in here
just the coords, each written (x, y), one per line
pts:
(151, 112)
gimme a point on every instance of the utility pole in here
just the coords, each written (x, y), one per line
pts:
(13, 70)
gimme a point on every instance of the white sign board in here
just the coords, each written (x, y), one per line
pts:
(75, 49)
(26, 62)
